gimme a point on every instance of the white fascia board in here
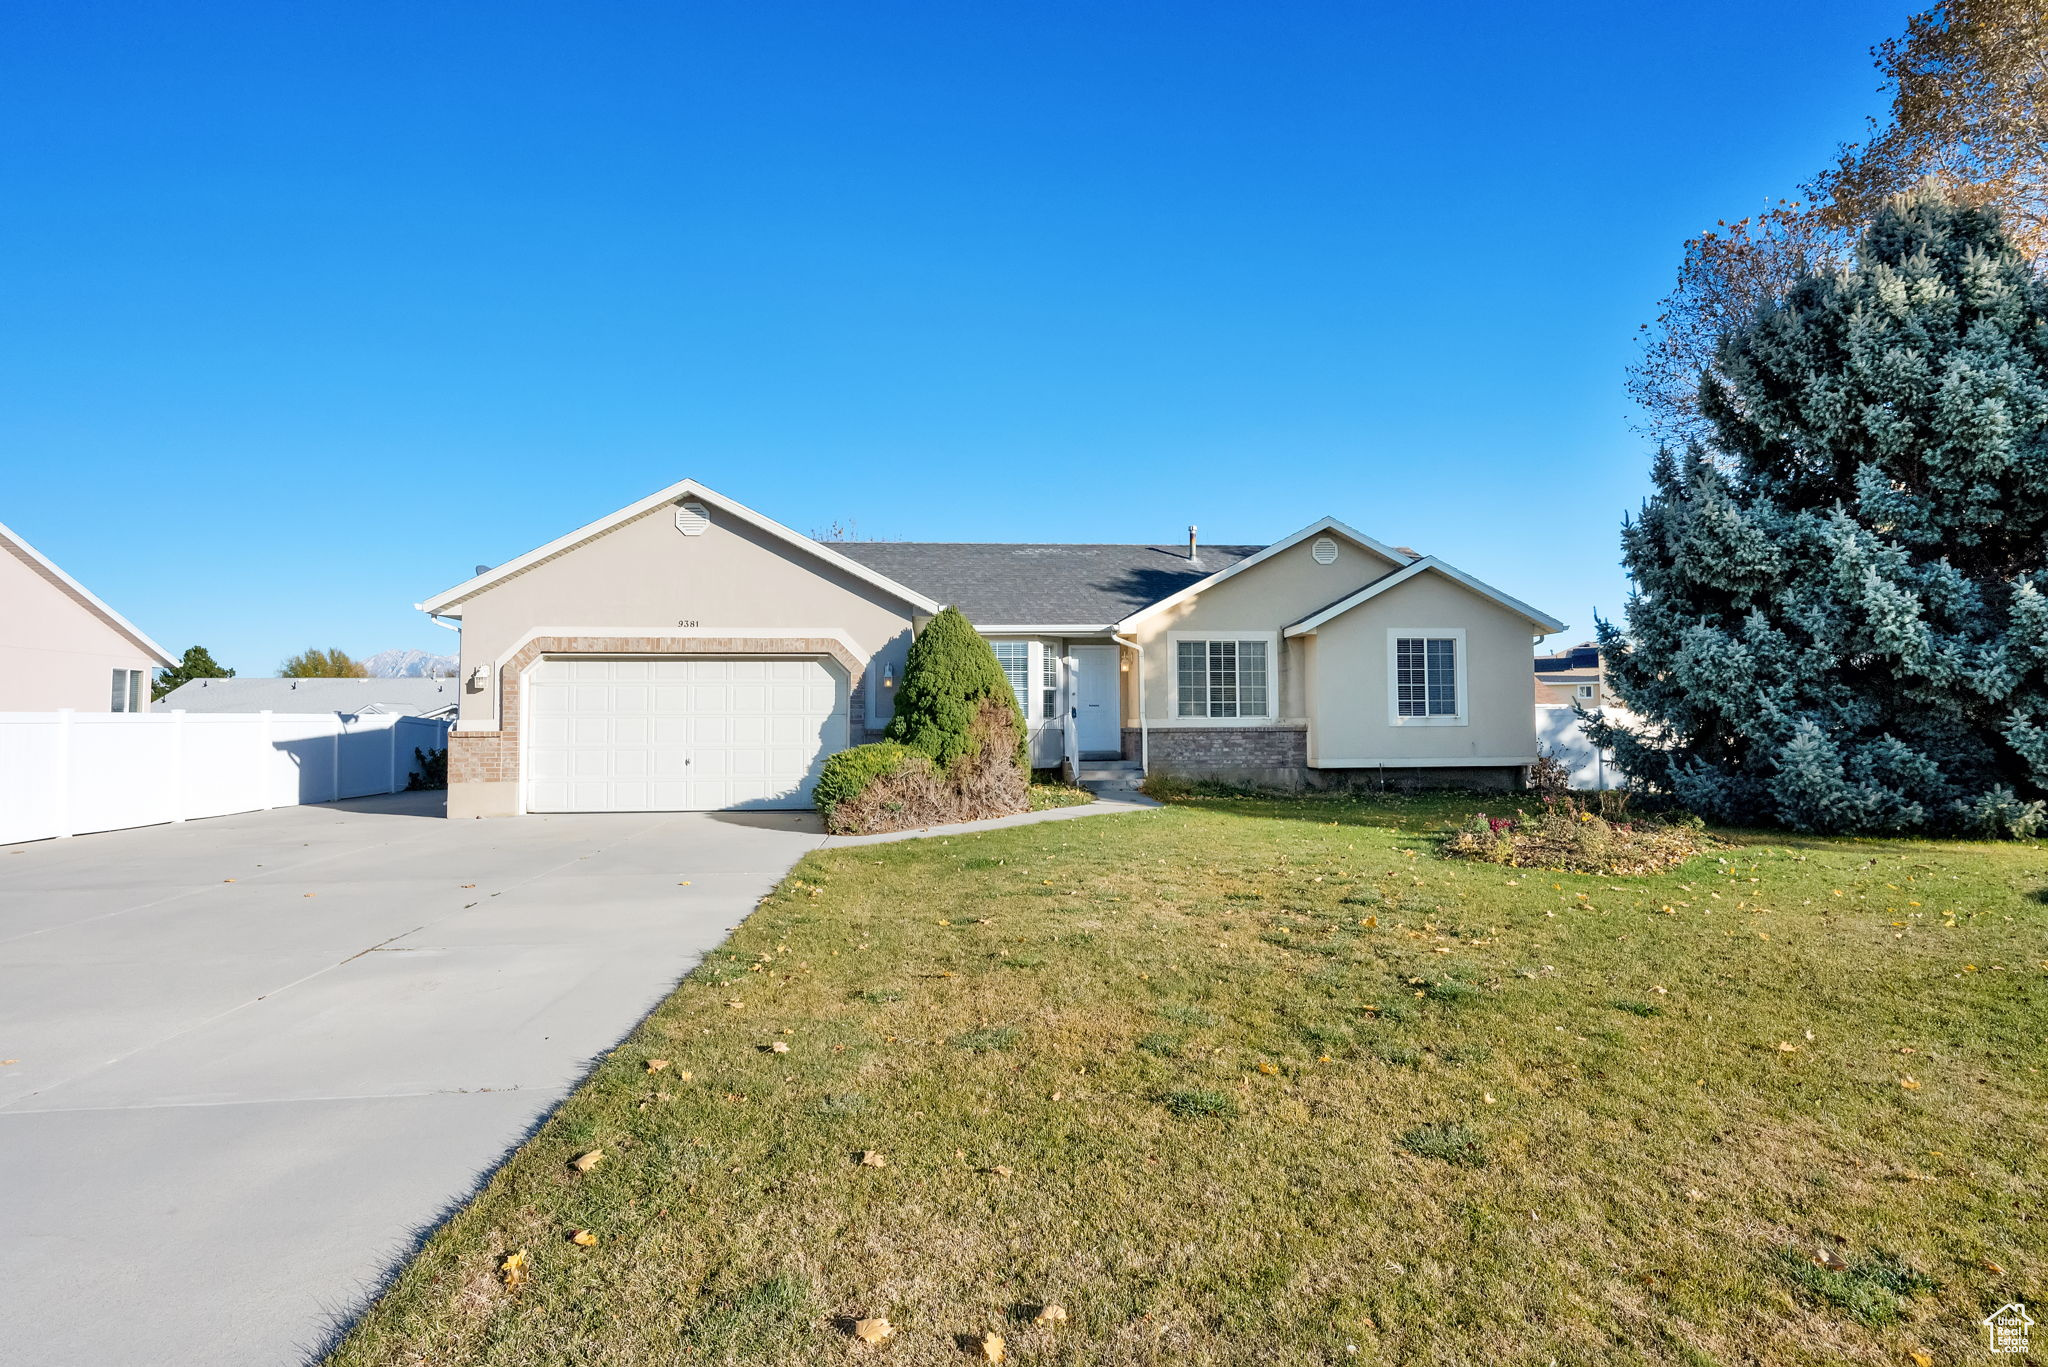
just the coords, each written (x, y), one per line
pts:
(1034, 629)
(1328, 524)
(90, 599)
(443, 602)
(1307, 626)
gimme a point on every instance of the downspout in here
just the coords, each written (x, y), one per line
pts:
(1144, 732)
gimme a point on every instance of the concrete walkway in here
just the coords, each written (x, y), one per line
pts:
(249, 1060)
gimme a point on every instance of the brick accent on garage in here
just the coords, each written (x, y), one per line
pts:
(480, 758)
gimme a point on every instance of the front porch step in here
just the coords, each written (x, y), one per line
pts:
(1108, 771)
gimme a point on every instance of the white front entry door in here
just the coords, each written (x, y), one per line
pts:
(1098, 717)
(679, 735)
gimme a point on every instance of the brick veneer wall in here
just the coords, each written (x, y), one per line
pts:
(493, 756)
(1277, 757)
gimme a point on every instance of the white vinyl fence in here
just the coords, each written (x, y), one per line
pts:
(66, 773)
(1557, 726)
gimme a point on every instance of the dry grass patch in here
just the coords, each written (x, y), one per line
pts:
(1260, 1081)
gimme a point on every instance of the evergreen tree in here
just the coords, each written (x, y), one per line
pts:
(197, 663)
(1840, 615)
(949, 671)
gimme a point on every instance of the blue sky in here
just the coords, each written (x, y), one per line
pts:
(310, 308)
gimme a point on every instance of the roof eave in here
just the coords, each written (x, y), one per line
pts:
(1546, 624)
(444, 603)
(91, 600)
(1327, 524)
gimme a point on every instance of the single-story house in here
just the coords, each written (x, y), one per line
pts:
(434, 699)
(61, 647)
(688, 653)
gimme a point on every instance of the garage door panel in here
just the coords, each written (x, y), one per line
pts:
(679, 734)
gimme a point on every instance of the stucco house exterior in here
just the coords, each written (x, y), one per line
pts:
(689, 653)
(60, 646)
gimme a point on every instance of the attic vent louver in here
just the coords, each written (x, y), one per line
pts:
(692, 519)
(1325, 551)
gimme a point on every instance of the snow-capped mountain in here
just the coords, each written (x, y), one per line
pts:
(409, 664)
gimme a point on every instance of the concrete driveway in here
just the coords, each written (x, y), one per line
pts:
(253, 1057)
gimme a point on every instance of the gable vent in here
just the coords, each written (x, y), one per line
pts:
(1325, 551)
(692, 518)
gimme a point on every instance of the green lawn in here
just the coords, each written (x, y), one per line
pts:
(1268, 1082)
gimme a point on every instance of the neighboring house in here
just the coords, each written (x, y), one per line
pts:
(61, 647)
(687, 653)
(1573, 676)
(434, 699)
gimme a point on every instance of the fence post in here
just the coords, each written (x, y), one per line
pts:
(263, 803)
(61, 788)
(178, 764)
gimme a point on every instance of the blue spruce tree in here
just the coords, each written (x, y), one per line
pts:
(1840, 614)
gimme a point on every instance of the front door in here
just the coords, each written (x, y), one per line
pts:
(1098, 719)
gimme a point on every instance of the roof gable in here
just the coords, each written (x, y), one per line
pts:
(80, 594)
(443, 603)
(1392, 554)
(1428, 564)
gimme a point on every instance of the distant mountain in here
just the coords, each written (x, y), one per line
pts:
(409, 664)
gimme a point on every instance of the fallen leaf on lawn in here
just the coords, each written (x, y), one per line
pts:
(1050, 1315)
(1268, 1069)
(512, 1271)
(685, 1076)
(583, 1238)
(1785, 1047)
(1695, 1194)
(778, 1047)
(735, 1005)
(992, 1349)
(1002, 1170)
(870, 1159)
(875, 1330)
(655, 1065)
(1487, 1097)
(1909, 1084)
(1829, 1261)
(1922, 1358)
(584, 1162)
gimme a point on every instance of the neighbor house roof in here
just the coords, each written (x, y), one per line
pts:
(411, 697)
(1043, 584)
(85, 598)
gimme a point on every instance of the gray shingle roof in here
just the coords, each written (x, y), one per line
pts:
(1020, 583)
(409, 696)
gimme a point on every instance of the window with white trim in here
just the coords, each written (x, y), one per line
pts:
(1222, 677)
(1426, 676)
(1015, 658)
(127, 692)
(1049, 681)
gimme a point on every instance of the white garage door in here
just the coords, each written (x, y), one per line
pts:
(683, 735)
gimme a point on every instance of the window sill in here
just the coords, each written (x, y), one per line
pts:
(1429, 721)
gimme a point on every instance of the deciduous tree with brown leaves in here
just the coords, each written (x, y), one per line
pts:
(1968, 84)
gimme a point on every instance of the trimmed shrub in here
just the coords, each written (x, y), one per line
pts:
(949, 673)
(847, 774)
